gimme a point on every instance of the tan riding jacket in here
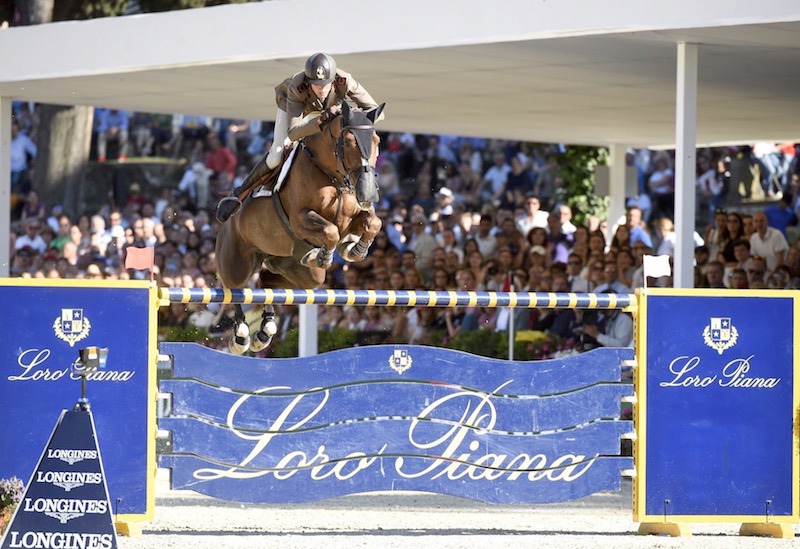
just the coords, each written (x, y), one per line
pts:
(294, 95)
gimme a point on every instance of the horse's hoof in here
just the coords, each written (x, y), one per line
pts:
(323, 261)
(310, 256)
(260, 341)
(242, 330)
(239, 345)
(270, 327)
(227, 207)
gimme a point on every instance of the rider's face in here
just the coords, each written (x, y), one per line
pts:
(321, 91)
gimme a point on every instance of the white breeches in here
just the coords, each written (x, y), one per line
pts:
(280, 140)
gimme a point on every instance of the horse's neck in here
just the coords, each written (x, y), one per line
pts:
(323, 150)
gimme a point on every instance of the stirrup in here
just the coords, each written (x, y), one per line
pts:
(227, 207)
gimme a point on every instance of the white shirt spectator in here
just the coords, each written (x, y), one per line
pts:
(769, 246)
(618, 331)
(31, 238)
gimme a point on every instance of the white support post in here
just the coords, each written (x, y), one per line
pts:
(616, 173)
(308, 331)
(685, 164)
(5, 186)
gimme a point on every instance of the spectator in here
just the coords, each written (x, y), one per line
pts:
(637, 228)
(735, 230)
(716, 234)
(661, 184)
(222, 163)
(739, 279)
(23, 150)
(533, 217)
(756, 271)
(495, 180)
(558, 242)
(617, 330)
(33, 208)
(715, 274)
(187, 132)
(712, 184)
(611, 281)
(31, 237)
(780, 215)
(767, 242)
(487, 242)
(64, 232)
(112, 124)
(559, 322)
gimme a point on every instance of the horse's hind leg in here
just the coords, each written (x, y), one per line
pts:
(240, 340)
(263, 337)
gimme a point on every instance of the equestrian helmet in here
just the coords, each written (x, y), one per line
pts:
(320, 69)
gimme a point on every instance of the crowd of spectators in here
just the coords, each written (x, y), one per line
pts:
(457, 213)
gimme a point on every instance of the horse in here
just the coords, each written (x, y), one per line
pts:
(325, 204)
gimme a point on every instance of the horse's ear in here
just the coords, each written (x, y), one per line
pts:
(346, 110)
(375, 113)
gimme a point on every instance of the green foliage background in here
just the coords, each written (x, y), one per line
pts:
(576, 168)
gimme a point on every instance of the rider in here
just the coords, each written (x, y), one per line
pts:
(319, 89)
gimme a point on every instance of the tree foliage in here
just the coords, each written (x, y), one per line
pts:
(576, 167)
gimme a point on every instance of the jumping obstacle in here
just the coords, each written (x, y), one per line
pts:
(714, 398)
(688, 401)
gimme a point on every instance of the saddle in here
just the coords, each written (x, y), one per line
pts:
(270, 183)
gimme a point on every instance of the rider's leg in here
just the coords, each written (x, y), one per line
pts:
(231, 204)
(279, 139)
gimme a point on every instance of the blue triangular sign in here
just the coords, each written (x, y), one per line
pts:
(66, 502)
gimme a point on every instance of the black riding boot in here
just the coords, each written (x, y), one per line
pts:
(231, 204)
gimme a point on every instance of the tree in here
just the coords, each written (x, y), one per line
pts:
(576, 168)
(66, 133)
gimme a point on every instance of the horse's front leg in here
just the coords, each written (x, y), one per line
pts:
(317, 230)
(355, 245)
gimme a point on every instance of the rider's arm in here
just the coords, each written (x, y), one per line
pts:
(357, 93)
(300, 125)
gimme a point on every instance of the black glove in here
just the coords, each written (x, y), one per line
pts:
(329, 114)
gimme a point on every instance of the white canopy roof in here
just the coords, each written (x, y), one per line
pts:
(572, 71)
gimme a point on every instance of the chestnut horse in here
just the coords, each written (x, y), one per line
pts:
(325, 204)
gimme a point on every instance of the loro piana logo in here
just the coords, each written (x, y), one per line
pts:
(720, 334)
(72, 326)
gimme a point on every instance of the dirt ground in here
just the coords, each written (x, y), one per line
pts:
(417, 520)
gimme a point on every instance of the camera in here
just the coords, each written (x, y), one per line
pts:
(591, 317)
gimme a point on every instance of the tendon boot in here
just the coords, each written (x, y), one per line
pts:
(231, 204)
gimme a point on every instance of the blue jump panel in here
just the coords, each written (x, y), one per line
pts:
(395, 418)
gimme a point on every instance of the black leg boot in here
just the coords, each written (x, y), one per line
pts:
(231, 204)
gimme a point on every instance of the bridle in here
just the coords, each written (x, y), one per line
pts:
(345, 177)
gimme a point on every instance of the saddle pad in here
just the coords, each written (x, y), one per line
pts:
(261, 191)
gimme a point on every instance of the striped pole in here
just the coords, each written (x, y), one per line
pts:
(399, 298)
